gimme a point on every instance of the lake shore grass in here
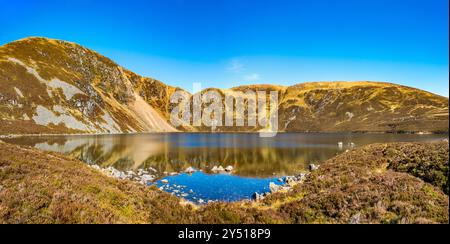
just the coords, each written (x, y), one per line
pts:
(379, 183)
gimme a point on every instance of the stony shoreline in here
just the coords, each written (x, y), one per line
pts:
(149, 176)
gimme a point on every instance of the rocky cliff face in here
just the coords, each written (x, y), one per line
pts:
(51, 86)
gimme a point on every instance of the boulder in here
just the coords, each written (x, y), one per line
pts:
(257, 197)
(313, 167)
(190, 170)
(274, 187)
(217, 169)
(229, 168)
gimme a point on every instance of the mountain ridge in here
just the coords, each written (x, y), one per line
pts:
(53, 86)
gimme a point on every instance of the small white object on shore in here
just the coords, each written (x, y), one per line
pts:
(274, 188)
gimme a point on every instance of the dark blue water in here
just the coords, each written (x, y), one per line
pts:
(215, 187)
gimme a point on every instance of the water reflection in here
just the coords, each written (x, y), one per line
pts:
(249, 154)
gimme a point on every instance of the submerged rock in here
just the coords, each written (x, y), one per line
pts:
(147, 178)
(164, 181)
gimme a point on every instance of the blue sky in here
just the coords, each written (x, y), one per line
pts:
(225, 43)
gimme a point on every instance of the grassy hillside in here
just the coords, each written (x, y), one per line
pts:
(345, 107)
(365, 185)
(362, 106)
(51, 86)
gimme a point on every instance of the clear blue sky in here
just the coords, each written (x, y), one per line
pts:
(225, 43)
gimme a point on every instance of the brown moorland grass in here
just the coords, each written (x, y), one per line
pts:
(364, 185)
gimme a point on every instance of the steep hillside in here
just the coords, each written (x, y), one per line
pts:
(50, 86)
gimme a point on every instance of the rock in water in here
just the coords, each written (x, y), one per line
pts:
(147, 178)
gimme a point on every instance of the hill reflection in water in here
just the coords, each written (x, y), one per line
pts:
(249, 154)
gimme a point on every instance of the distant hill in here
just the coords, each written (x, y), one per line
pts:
(52, 86)
(362, 106)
